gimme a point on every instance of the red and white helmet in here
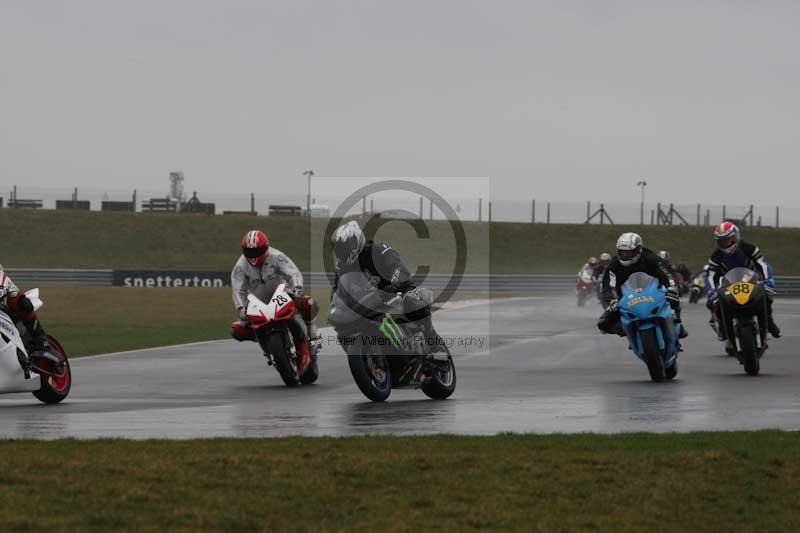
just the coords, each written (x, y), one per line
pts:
(255, 247)
(727, 236)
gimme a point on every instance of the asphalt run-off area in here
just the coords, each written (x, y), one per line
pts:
(534, 364)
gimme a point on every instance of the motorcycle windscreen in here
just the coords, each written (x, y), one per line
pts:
(740, 274)
(638, 282)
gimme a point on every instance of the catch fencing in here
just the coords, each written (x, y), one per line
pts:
(483, 206)
(479, 284)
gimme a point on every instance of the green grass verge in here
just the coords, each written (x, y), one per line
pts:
(638, 482)
(144, 241)
(93, 320)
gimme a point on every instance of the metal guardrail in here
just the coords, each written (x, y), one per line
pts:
(29, 276)
(537, 284)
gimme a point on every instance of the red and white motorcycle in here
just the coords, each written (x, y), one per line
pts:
(19, 374)
(280, 335)
(585, 287)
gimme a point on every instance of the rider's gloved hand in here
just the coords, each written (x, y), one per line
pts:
(613, 305)
(242, 313)
(299, 293)
(672, 295)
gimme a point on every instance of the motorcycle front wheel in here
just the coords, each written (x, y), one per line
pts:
(370, 370)
(652, 355)
(286, 365)
(747, 341)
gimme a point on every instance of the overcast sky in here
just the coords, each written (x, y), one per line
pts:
(559, 100)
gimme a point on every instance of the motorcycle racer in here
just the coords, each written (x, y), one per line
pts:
(633, 257)
(385, 269)
(259, 265)
(20, 309)
(602, 266)
(732, 252)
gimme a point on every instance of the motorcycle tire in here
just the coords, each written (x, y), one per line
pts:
(652, 355)
(53, 390)
(311, 374)
(276, 342)
(442, 384)
(362, 359)
(747, 342)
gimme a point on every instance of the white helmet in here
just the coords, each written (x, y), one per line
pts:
(629, 248)
(348, 240)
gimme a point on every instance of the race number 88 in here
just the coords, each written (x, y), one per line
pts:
(741, 288)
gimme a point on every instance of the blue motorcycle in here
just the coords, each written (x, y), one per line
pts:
(649, 322)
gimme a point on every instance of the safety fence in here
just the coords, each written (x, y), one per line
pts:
(479, 205)
(504, 284)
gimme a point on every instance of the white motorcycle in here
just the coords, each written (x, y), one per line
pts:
(279, 336)
(19, 374)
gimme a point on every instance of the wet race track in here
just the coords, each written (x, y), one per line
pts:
(542, 367)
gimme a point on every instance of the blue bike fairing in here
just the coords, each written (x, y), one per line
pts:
(644, 306)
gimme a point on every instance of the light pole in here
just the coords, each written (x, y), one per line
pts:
(308, 173)
(642, 184)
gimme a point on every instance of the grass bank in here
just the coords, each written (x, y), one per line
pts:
(696, 482)
(198, 242)
(93, 320)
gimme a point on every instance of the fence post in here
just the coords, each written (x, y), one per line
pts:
(724, 212)
(431, 209)
(252, 203)
(698, 214)
(652, 216)
(480, 208)
(777, 216)
(751, 214)
(658, 213)
(602, 214)
(533, 211)
(134, 200)
(420, 208)
(588, 210)
(490, 211)
(548, 212)
(364, 205)
(708, 217)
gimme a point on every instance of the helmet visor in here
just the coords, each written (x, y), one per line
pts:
(628, 255)
(726, 242)
(255, 253)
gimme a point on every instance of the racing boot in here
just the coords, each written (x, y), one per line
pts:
(437, 347)
(773, 328)
(314, 338)
(303, 357)
(683, 333)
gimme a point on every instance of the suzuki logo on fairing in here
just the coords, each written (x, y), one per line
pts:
(639, 300)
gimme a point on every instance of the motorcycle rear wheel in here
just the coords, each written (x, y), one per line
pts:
(442, 384)
(652, 355)
(370, 371)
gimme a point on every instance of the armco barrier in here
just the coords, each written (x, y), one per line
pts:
(29, 277)
(529, 284)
